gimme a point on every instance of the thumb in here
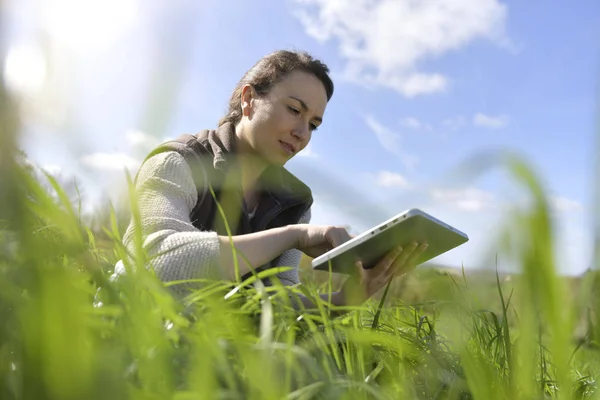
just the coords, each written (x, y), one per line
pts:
(358, 267)
(340, 237)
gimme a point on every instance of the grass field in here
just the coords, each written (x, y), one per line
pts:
(69, 332)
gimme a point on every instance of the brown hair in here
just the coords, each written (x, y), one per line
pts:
(272, 69)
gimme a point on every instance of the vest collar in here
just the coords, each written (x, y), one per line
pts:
(278, 181)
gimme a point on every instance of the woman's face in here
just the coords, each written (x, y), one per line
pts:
(280, 124)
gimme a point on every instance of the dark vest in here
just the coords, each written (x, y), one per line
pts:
(210, 154)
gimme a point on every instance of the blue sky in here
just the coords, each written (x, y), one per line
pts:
(419, 90)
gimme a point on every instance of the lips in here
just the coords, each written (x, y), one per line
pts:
(287, 147)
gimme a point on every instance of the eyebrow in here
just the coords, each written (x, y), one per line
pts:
(305, 107)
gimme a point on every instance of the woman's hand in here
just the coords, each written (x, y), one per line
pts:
(364, 283)
(315, 240)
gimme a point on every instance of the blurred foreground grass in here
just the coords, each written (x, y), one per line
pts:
(69, 332)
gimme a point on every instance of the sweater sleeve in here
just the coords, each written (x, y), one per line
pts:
(166, 195)
(291, 258)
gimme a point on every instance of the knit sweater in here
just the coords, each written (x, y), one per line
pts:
(178, 250)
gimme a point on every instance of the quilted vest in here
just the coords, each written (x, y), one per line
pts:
(210, 154)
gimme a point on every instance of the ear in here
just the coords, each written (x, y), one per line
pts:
(248, 95)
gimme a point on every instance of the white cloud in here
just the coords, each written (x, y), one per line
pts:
(563, 204)
(466, 199)
(411, 122)
(385, 41)
(458, 122)
(391, 141)
(308, 152)
(386, 138)
(412, 85)
(139, 143)
(137, 146)
(488, 121)
(52, 169)
(455, 123)
(414, 123)
(136, 138)
(390, 179)
(109, 161)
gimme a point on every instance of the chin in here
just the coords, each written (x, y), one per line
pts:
(274, 160)
(281, 162)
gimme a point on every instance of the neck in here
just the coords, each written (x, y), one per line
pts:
(251, 169)
(251, 166)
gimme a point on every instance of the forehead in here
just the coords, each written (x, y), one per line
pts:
(306, 87)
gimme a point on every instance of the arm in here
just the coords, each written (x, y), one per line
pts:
(292, 258)
(166, 195)
(258, 248)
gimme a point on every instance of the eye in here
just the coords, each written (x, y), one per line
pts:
(294, 110)
(313, 127)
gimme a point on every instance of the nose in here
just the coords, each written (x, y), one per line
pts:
(301, 132)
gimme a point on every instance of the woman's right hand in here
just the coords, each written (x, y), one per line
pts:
(315, 240)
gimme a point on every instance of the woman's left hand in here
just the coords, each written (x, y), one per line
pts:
(364, 283)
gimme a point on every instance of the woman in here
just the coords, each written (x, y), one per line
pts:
(194, 190)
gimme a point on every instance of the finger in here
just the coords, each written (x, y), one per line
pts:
(359, 267)
(359, 270)
(389, 275)
(386, 262)
(338, 236)
(393, 256)
(411, 261)
(404, 256)
(417, 253)
(400, 264)
(343, 236)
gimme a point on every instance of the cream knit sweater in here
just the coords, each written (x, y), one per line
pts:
(179, 251)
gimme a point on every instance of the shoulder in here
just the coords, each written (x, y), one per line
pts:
(185, 154)
(164, 164)
(166, 176)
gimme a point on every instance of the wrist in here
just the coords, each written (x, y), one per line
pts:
(293, 233)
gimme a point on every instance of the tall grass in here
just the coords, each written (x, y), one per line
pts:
(70, 332)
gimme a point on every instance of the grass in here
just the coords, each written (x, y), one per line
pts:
(70, 332)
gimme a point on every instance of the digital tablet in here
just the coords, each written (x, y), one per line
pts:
(402, 229)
